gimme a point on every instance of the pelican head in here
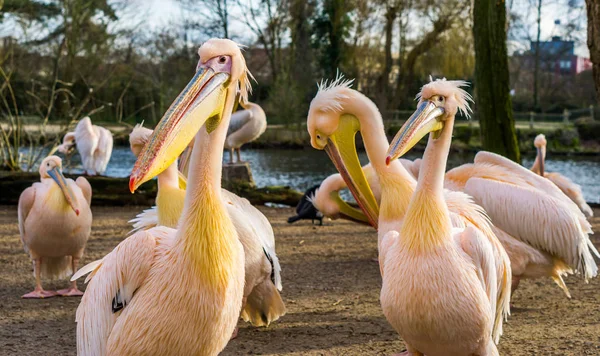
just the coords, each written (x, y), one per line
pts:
(540, 146)
(333, 130)
(439, 101)
(221, 73)
(138, 138)
(68, 144)
(51, 167)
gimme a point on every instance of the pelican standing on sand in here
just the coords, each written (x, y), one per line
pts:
(572, 190)
(94, 144)
(262, 301)
(541, 229)
(177, 292)
(470, 277)
(55, 221)
(245, 126)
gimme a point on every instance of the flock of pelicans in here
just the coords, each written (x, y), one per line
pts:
(452, 245)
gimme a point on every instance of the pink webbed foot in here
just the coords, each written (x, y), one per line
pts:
(39, 294)
(69, 292)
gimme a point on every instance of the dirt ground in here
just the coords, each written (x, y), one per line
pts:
(331, 288)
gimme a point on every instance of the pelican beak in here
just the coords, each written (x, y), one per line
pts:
(348, 212)
(201, 102)
(184, 160)
(541, 160)
(427, 118)
(341, 149)
(56, 175)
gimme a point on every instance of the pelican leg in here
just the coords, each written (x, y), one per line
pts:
(235, 331)
(239, 159)
(38, 292)
(514, 283)
(72, 291)
(231, 155)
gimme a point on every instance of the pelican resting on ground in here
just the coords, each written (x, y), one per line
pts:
(542, 230)
(327, 198)
(245, 126)
(305, 210)
(94, 144)
(177, 292)
(55, 221)
(262, 301)
(572, 190)
(470, 277)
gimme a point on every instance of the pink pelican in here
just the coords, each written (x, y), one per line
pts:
(572, 190)
(245, 126)
(262, 302)
(472, 274)
(94, 144)
(55, 221)
(177, 292)
(543, 231)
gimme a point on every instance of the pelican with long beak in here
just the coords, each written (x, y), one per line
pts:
(570, 188)
(55, 222)
(413, 290)
(177, 292)
(543, 231)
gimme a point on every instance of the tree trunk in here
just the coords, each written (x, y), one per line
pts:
(536, 70)
(593, 40)
(492, 79)
(383, 82)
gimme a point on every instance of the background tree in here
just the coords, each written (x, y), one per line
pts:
(492, 85)
(593, 39)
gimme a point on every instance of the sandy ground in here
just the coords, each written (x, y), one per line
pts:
(331, 288)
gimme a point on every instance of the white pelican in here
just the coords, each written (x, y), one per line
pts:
(471, 281)
(572, 190)
(262, 301)
(55, 221)
(177, 292)
(245, 126)
(94, 144)
(542, 230)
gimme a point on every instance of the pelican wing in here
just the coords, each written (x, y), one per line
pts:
(86, 188)
(249, 220)
(488, 266)
(26, 201)
(104, 149)
(114, 281)
(238, 120)
(145, 220)
(540, 220)
(572, 190)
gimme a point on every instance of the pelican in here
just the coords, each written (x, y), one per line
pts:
(327, 199)
(472, 274)
(55, 221)
(572, 190)
(305, 210)
(245, 126)
(177, 292)
(94, 144)
(542, 230)
(262, 301)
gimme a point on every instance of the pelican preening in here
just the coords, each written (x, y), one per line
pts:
(166, 291)
(262, 301)
(55, 222)
(94, 144)
(429, 255)
(572, 190)
(245, 126)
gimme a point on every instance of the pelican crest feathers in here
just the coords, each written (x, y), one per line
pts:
(448, 88)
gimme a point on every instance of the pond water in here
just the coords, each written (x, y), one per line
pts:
(301, 169)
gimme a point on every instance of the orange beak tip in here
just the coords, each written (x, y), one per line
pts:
(77, 212)
(132, 185)
(388, 159)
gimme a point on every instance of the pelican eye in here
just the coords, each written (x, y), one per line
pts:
(440, 98)
(222, 59)
(318, 137)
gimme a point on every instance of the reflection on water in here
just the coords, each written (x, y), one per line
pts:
(300, 169)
